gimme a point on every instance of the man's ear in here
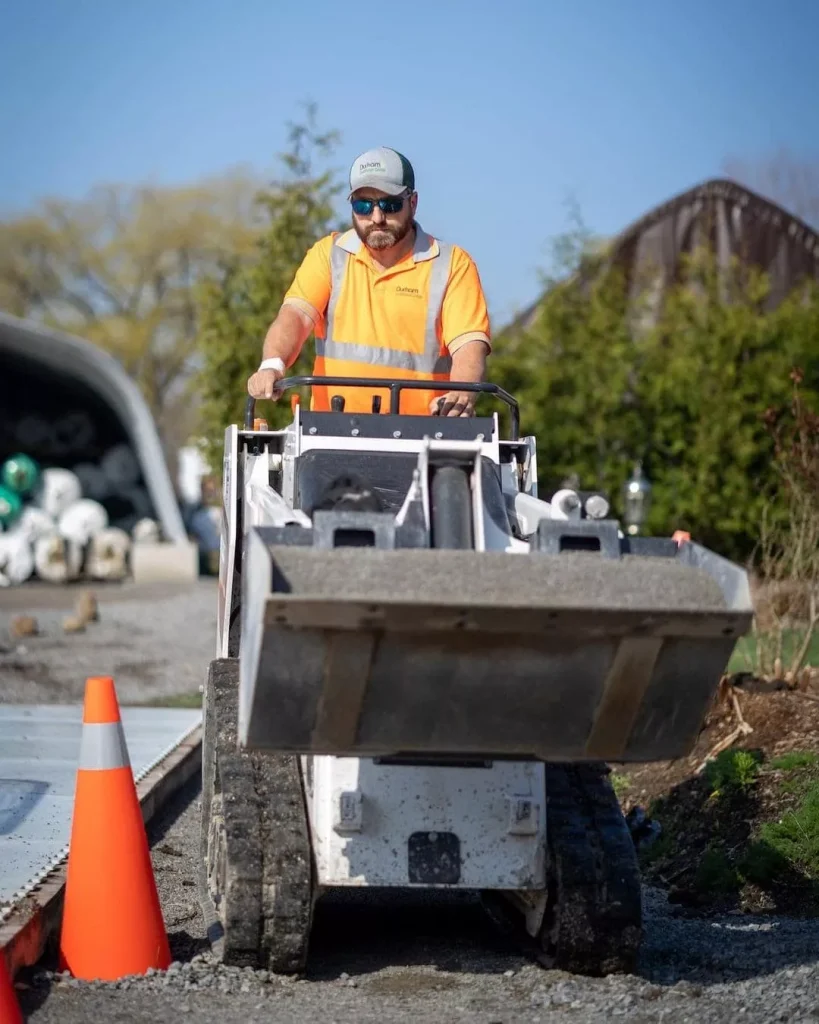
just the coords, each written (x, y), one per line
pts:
(414, 202)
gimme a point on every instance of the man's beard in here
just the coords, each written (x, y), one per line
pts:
(377, 236)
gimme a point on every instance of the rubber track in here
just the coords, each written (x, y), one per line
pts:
(267, 905)
(594, 925)
(287, 896)
(593, 921)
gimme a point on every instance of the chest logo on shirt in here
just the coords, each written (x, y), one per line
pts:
(414, 293)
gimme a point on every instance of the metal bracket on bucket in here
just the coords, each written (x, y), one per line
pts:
(353, 529)
(554, 536)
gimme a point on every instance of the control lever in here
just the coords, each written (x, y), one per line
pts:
(337, 403)
(376, 403)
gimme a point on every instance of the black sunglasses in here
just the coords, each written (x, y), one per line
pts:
(389, 204)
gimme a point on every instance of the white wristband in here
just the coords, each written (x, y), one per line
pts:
(273, 364)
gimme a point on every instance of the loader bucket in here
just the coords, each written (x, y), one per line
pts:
(454, 653)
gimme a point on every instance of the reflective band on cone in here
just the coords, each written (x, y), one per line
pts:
(112, 921)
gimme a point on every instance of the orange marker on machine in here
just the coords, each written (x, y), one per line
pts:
(112, 921)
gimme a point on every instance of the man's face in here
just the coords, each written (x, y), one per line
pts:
(380, 230)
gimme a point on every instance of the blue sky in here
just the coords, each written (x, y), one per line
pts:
(506, 109)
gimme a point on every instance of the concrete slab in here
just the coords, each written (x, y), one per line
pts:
(39, 746)
(163, 562)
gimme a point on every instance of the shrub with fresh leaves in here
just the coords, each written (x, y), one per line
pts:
(732, 770)
(686, 392)
(237, 307)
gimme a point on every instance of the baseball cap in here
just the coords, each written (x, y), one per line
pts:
(384, 169)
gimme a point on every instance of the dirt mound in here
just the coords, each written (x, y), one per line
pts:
(739, 827)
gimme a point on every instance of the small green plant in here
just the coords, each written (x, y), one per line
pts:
(795, 759)
(761, 864)
(732, 770)
(796, 784)
(716, 873)
(620, 784)
(796, 836)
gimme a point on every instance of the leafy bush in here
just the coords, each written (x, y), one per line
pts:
(732, 770)
(237, 307)
(715, 873)
(686, 392)
(795, 838)
(786, 624)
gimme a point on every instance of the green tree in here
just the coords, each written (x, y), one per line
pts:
(572, 372)
(119, 268)
(685, 390)
(716, 361)
(237, 306)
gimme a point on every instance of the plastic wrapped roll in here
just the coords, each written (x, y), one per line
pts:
(57, 559)
(58, 489)
(16, 559)
(10, 507)
(127, 505)
(34, 432)
(73, 432)
(81, 520)
(33, 524)
(140, 501)
(93, 481)
(146, 531)
(20, 474)
(120, 466)
(108, 555)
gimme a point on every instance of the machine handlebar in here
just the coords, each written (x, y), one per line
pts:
(395, 388)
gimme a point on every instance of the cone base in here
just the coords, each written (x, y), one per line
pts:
(112, 920)
(10, 1012)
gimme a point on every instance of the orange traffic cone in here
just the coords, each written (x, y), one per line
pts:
(10, 1012)
(112, 922)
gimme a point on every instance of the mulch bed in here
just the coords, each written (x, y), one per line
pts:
(702, 855)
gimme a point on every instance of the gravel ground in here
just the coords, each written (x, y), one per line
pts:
(372, 959)
(155, 641)
(375, 960)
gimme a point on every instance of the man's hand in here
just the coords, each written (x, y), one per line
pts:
(282, 343)
(468, 365)
(263, 384)
(454, 403)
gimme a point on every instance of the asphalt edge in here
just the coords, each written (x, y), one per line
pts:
(25, 937)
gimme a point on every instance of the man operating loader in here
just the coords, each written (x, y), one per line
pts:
(385, 299)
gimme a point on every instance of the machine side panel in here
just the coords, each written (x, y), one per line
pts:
(431, 825)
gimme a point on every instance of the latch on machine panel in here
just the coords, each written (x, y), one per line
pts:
(349, 812)
(524, 816)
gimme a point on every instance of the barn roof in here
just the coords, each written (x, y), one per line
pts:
(735, 223)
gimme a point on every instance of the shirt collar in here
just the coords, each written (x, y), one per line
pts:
(426, 247)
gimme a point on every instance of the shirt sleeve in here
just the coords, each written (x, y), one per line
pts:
(464, 314)
(310, 290)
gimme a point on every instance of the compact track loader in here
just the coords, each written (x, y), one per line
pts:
(423, 671)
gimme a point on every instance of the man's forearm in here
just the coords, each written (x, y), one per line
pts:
(469, 362)
(286, 335)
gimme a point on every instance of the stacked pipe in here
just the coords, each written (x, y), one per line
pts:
(62, 525)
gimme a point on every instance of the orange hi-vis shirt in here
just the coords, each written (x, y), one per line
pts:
(402, 322)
